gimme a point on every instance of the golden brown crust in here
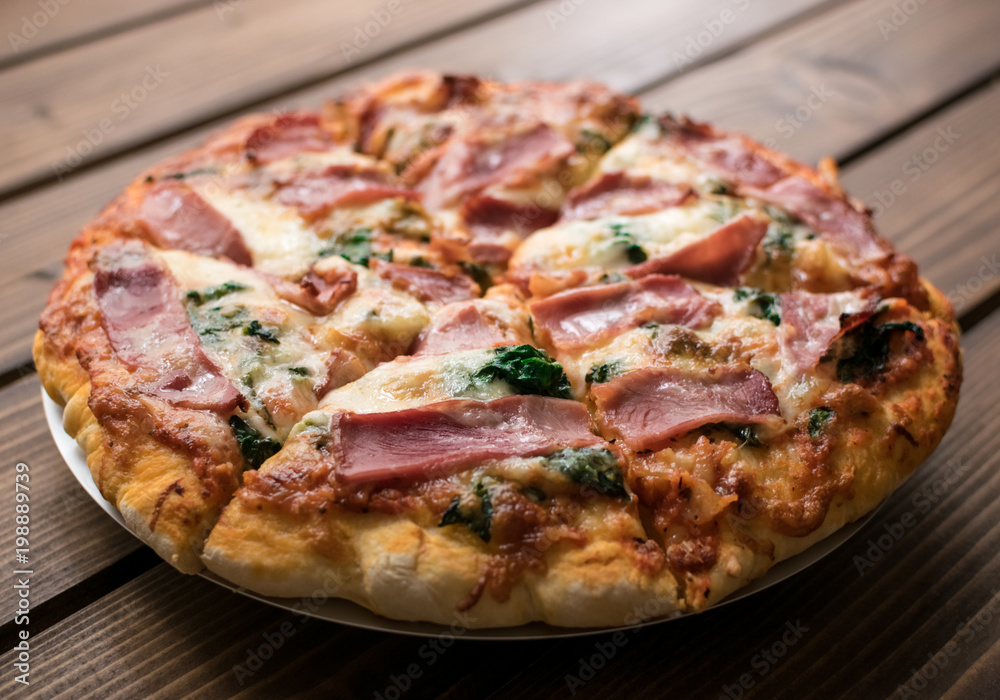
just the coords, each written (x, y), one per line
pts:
(706, 516)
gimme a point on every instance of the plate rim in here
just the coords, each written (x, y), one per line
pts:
(345, 612)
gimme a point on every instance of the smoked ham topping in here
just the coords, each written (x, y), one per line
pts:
(443, 438)
(622, 194)
(579, 317)
(649, 407)
(315, 194)
(426, 284)
(145, 320)
(467, 326)
(718, 258)
(174, 216)
(287, 135)
(474, 163)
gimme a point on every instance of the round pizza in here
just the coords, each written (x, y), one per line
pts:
(518, 352)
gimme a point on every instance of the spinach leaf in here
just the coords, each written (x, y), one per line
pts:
(263, 332)
(593, 142)
(762, 305)
(478, 516)
(255, 447)
(479, 274)
(591, 466)
(213, 293)
(355, 246)
(528, 370)
(599, 374)
(210, 322)
(818, 418)
(867, 348)
(747, 434)
(633, 251)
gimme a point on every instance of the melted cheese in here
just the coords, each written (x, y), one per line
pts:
(279, 240)
(604, 242)
(410, 382)
(277, 379)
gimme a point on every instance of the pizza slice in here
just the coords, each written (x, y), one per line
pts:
(676, 197)
(459, 483)
(493, 161)
(754, 425)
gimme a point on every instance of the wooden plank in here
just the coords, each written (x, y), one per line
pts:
(862, 622)
(32, 25)
(61, 110)
(844, 74)
(933, 191)
(210, 69)
(171, 634)
(38, 226)
(70, 537)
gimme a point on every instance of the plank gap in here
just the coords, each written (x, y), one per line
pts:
(32, 183)
(93, 35)
(963, 93)
(91, 589)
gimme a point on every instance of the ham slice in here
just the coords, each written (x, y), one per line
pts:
(579, 317)
(316, 194)
(467, 326)
(287, 135)
(426, 284)
(145, 320)
(718, 258)
(808, 328)
(443, 438)
(488, 216)
(732, 157)
(844, 226)
(320, 291)
(473, 163)
(622, 194)
(649, 407)
(175, 217)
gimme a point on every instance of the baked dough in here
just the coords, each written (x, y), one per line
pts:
(455, 349)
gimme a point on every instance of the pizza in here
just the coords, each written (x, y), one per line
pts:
(518, 352)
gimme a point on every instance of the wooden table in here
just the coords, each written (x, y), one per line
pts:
(903, 93)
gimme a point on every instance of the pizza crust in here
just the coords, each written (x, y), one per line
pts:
(175, 474)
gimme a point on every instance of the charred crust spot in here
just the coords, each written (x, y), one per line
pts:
(173, 488)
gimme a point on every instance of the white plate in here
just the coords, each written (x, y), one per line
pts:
(348, 613)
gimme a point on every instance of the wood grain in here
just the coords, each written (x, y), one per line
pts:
(69, 20)
(844, 74)
(831, 632)
(38, 226)
(71, 538)
(183, 70)
(933, 191)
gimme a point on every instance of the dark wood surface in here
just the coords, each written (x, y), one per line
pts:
(894, 82)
